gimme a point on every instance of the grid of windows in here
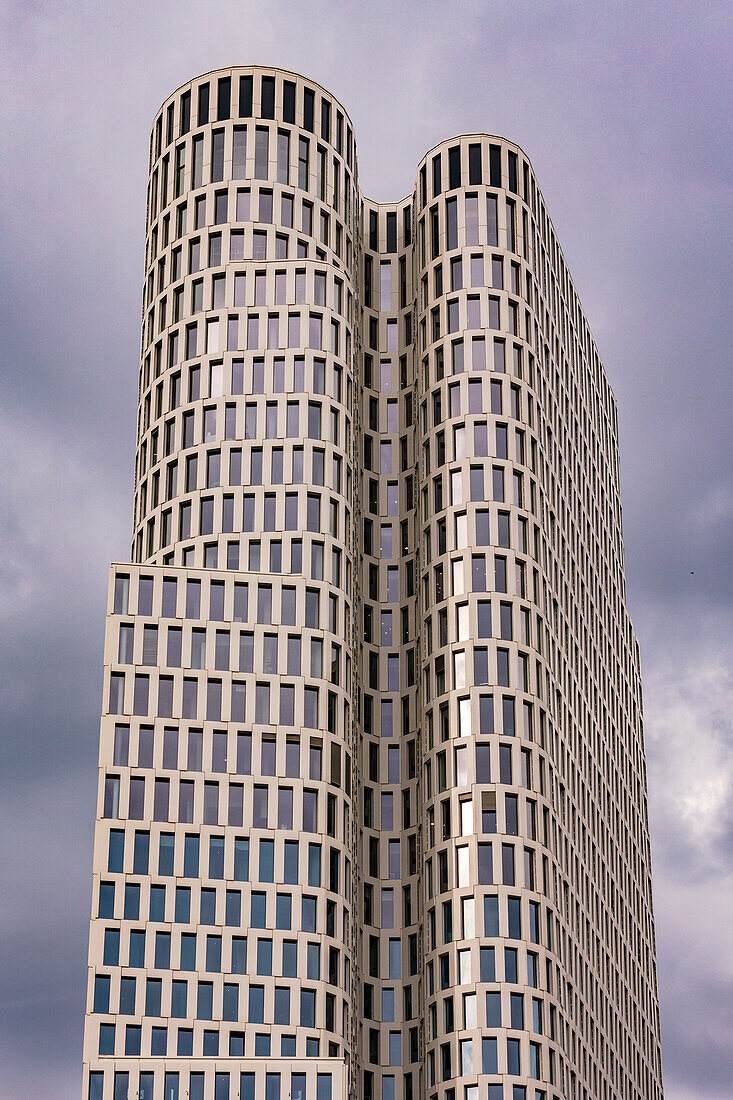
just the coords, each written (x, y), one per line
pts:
(371, 760)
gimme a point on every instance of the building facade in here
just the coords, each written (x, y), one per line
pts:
(372, 800)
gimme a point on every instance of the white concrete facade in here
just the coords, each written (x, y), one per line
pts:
(372, 805)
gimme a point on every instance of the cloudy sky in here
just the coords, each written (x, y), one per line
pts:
(624, 109)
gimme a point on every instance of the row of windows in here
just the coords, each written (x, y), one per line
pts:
(494, 1017)
(201, 1004)
(486, 704)
(464, 724)
(208, 953)
(449, 171)
(504, 669)
(237, 245)
(258, 552)
(168, 1085)
(456, 479)
(265, 911)
(273, 96)
(207, 427)
(499, 403)
(205, 517)
(469, 1092)
(476, 354)
(211, 250)
(468, 1065)
(381, 333)
(274, 512)
(296, 330)
(478, 574)
(519, 816)
(477, 270)
(393, 859)
(387, 548)
(212, 157)
(219, 609)
(489, 619)
(212, 556)
(223, 334)
(389, 234)
(397, 670)
(469, 395)
(220, 651)
(507, 858)
(515, 967)
(485, 519)
(462, 225)
(383, 584)
(509, 767)
(225, 750)
(283, 377)
(211, 463)
(509, 444)
(206, 1042)
(204, 802)
(510, 531)
(261, 288)
(220, 698)
(225, 857)
(520, 919)
(472, 312)
(477, 493)
(384, 377)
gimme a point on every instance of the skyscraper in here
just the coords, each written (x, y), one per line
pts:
(372, 805)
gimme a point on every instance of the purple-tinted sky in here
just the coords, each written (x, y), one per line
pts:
(625, 112)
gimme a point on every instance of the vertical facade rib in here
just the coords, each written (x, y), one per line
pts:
(372, 807)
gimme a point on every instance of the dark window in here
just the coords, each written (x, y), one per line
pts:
(185, 113)
(474, 164)
(512, 164)
(203, 111)
(224, 98)
(454, 167)
(289, 101)
(373, 230)
(436, 175)
(495, 165)
(391, 232)
(245, 97)
(407, 224)
(308, 108)
(267, 109)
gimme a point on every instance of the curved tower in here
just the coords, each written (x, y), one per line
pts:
(372, 810)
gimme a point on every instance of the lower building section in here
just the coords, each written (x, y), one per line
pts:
(222, 918)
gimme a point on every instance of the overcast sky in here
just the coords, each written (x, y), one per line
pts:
(624, 110)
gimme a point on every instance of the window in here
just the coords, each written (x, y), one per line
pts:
(262, 139)
(303, 156)
(451, 228)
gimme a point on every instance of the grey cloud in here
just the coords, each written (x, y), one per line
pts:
(624, 110)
